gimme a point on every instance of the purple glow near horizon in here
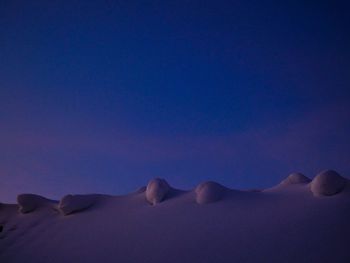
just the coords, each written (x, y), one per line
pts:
(102, 97)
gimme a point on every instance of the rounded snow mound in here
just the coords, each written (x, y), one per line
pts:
(209, 192)
(327, 183)
(296, 178)
(29, 202)
(157, 190)
(75, 203)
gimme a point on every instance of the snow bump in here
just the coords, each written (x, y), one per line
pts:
(29, 202)
(75, 203)
(209, 192)
(157, 190)
(296, 178)
(328, 183)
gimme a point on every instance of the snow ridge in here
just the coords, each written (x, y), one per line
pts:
(29, 202)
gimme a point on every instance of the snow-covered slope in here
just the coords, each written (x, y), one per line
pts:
(292, 222)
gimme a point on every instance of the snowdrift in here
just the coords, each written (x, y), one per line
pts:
(29, 202)
(157, 190)
(296, 178)
(328, 183)
(209, 192)
(297, 221)
(74, 203)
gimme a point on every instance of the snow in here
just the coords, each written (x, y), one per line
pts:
(74, 203)
(296, 178)
(156, 190)
(281, 224)
(209, 192)
(328, 182)
(29, 202)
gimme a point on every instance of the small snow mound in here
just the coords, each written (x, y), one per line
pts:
(156, 190)
(208, 192)
(75, 203)
(296, 178)
(328, 183)
(29, 202)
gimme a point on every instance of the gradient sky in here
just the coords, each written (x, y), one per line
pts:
(101, 96)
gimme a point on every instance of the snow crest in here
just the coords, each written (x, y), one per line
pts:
(296, 178)
(29, 202)
(328, 183)
(209, 192)
(157, 190)
(75, 203)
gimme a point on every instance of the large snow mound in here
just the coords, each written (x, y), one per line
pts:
(296, 178)
(328, 183)
(208, 192)
(157, 190)
(29, 202)
(75, 203)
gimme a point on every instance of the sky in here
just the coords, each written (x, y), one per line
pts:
(102, 96)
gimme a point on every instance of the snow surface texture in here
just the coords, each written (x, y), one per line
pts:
(209, 192)
(280, 224)
(29, 202)
(328, 183)
(75, 203)
(156, 191)
(296, 178)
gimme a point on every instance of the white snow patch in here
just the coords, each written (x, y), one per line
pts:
(208, 192)
(156, 190)
(74, 203)
(328, 183)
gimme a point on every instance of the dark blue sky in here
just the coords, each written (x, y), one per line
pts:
(101, 96)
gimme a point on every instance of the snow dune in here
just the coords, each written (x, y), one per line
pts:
(157, 190)
(29, 202)
(296, 178)
(75, 203)
(296, 221)
(328, 183)
(209, 192)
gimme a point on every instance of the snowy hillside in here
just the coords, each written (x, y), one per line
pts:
(298, 220)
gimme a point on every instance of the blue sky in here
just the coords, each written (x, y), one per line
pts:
(101, 96)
